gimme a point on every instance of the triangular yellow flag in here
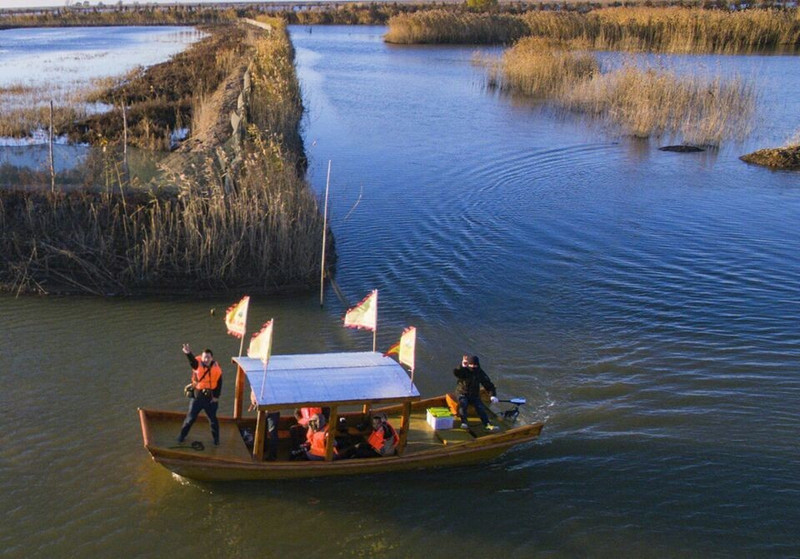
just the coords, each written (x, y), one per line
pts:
(365, 314)
(261, 344)
(408, 342)
(236, 317)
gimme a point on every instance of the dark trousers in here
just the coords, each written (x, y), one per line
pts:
(463, 403)
(196, 405)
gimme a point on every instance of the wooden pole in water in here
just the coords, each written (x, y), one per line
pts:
(324, 239)
(125, 142)
(50, 143)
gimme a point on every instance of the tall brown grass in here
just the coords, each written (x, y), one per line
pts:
(641, 102)
(673, 29)
(254, 226)
(448, 26)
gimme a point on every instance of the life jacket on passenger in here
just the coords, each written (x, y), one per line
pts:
(306, 414)
(316, 442)
(206, 378)
(378, 437)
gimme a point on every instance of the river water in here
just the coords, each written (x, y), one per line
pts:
(646, 304)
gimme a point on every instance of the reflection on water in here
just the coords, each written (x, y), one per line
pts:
(645, 303)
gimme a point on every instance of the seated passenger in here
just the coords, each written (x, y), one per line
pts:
(298, 432)
(381, 442)
(316, 439)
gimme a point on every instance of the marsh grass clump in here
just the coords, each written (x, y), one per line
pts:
(450, 26)
(669, 29)
(641, 102)
(540, 67)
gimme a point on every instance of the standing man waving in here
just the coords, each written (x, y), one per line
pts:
(470, 379)
(207, 384)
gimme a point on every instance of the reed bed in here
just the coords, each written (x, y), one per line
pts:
(254, 226)
(672, 29)
(642, 102)
(448, 26)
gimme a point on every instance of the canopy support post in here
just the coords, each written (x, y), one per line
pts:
(261, 428)
(331, 428)
(238, 392)
(405, 424)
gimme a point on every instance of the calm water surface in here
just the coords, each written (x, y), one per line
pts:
(646, 304)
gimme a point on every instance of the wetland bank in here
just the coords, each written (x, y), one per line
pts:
(229, 209)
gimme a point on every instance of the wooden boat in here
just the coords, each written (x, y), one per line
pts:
(351, 386)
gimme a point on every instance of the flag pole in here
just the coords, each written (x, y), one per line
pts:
(375, 331)
(241, 344)
(324, 238)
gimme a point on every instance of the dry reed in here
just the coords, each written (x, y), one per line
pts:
(674, 29)
(256, 226)
(642, 102)
(447, 26)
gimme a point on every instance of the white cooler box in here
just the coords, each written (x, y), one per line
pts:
(441, 418)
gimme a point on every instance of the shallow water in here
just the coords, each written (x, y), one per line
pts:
(645, 303)
(38, 65)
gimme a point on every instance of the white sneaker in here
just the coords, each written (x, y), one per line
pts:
(490, 427)
(464, 426)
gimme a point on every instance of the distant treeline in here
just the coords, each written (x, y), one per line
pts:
(238, 216)
(673, 29)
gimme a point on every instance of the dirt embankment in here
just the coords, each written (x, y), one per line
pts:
(787, 158)
(187, 92)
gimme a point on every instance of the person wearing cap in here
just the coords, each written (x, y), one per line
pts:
(207, 386)
(470, 379)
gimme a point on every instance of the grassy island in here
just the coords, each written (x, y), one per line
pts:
(228, 210)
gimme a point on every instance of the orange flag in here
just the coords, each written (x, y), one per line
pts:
(261, 343)
(236, 317)
(408, 343)
(365, 314)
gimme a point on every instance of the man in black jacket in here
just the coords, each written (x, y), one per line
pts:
(470, 378)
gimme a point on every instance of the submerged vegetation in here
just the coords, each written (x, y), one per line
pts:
(642, 102)
(236, 216)
(673, 29)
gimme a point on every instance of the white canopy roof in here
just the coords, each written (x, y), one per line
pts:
(327, 378)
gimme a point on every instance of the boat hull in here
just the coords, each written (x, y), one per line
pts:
(232, 461)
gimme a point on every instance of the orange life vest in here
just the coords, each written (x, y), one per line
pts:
(316, 441)
(378, 437)
(205, 379)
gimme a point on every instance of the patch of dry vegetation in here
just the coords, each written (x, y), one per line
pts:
(786, 157)
(642, 102)
(256, 226)
(448, 26)
(672, 29)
